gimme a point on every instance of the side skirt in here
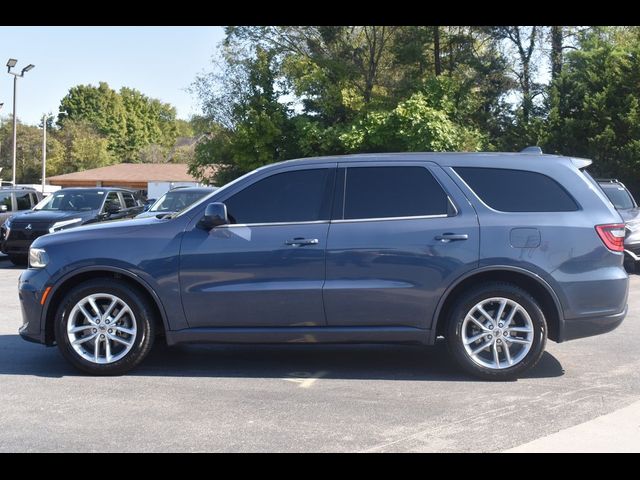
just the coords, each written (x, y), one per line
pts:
(299, 335)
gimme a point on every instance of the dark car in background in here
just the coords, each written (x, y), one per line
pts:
(624, 202)
(495, 252)
(65, 208)
(176, 200)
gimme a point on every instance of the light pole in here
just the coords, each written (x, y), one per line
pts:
(10, 64)
(44, 149)
(1, 105)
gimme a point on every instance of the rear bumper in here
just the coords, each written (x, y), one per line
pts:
(587, 327)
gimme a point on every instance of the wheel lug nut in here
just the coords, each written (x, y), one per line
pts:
(107, 322)
(499, 341)
(95, 330)
(499, 325)
(490, 325)
(490, 337)
(98, 321)
(102, 335)
(110, 331)
(506, 334)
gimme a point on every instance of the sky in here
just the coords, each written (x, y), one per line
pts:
(161, 62)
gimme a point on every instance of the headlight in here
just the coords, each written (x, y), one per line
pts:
(64, 224)
(38, 258)
(7, 229)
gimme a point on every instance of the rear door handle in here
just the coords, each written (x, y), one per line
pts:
(449, 237)
(299, 242)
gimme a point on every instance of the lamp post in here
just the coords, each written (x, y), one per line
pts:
(1, 105)
(10, 64)
(44, 149)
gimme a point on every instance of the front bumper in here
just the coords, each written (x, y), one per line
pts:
(589, 326)
(31, 286)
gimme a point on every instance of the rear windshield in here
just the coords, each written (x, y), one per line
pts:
(619, 196)
(509, 190)
(176, 201)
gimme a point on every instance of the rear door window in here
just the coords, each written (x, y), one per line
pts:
(23, 201)
(129, 201)
(517, 190)
(387, 192)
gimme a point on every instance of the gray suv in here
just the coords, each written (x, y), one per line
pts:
(17, 199)
(495, 252)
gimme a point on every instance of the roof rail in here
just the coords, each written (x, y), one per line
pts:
(534, 149)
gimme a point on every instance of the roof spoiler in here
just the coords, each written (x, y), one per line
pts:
(581, 162)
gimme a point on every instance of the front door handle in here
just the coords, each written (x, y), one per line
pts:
(299, 241)
(449, 237)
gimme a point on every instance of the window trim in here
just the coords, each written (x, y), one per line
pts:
(484, 204)
(425, 165)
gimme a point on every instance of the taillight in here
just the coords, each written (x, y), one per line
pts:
(612, 235)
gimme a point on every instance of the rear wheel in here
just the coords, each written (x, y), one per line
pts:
(103, 327)
(18, 260)
(497, 331)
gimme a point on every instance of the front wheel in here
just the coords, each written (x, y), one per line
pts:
(497, 331)
(103, 327)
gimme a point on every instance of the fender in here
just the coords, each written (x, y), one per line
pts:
(102, 268)
(492, 268)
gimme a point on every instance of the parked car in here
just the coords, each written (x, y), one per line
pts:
(624, 202)
(66, 208)
(16, 199)
(495, 252)
(176, 200)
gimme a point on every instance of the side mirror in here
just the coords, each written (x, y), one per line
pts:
(4, 208)
(214, 215)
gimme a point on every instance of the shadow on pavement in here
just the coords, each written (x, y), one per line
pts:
(363, 362)
(6, 264)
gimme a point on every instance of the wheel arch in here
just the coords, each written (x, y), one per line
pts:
(64, 285)
(525, 279)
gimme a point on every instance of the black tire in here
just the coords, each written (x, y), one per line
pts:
(19, 260)
(144, 317)
(630, 265)
(466, 302)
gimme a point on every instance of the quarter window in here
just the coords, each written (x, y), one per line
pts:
(112, 199)
(296, 196)
(517, 190)
(129, 201)
(383, 192)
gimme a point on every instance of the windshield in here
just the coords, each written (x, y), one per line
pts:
(176, 201)
(619, 196)
(76, 200)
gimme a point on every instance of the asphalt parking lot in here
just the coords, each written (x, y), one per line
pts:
(304, 398)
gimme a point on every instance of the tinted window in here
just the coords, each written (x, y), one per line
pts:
(517, 190)
(23, 201)
(5, 199)
(379, 192)
(112, 200)
(298, 196)
(129, 201)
